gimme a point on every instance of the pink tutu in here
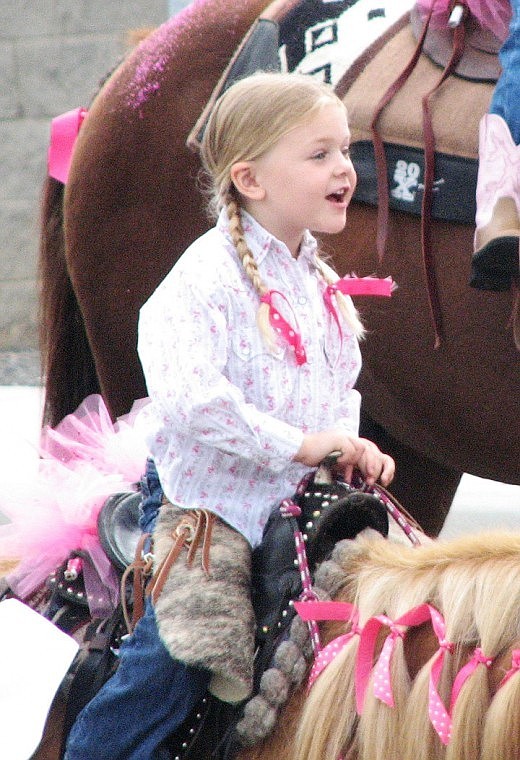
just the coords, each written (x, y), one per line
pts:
(84, 460)
(492, 15)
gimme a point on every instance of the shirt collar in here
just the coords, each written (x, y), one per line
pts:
(261, 242)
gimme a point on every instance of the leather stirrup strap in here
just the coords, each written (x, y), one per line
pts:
(383, 201)
(194, 527)
(459, 38)
(141, 568)
(429, 163)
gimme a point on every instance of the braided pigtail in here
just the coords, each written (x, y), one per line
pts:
(346, 307)
(251, 269)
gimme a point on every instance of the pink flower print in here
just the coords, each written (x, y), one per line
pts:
(188, 473)
(211, 470)
(203, 495)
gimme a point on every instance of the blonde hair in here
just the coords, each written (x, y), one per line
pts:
(247, 120)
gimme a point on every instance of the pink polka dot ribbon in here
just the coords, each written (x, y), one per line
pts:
(64, 131)
(478, 658)
(283, 328)
(382, 679)
(515, 667)
(356, 286)
(329, 611)
(353, 286)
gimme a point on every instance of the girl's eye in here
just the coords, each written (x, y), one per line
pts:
(320, 155)
(346, 152)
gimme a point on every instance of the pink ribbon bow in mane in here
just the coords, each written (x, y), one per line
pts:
(329, 611)
(353, 286)
(382, 682)
(478, 658)
(515, 667)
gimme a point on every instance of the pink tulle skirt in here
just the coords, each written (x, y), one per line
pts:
(493, 15)
(84, 460)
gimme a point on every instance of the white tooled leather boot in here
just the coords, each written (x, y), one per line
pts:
(496, 246)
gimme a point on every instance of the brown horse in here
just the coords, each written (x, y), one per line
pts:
(131, 206)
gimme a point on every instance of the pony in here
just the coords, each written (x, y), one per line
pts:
(439, 382)
(437, 624)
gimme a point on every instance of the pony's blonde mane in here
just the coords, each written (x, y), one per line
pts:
(473, 582)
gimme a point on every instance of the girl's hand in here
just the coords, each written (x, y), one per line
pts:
(356, 452)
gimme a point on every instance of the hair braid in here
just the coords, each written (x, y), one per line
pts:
(250, 268)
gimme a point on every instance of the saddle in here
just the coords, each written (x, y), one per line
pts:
(329, 512)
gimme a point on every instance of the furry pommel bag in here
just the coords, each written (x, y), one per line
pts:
(206, 618)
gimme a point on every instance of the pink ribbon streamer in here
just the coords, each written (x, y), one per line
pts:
(352, 286)
(64, 131)
(356, 286)
(478, 658)
(283, 328)
(382, 680)
(329, 611)
(515, 667)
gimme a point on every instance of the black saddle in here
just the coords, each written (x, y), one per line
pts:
(118, 528)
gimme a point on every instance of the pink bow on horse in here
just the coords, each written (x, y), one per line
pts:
(438, 714)
(64, 131)
(329, 611)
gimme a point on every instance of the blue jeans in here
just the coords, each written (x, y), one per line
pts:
(506, 97)
(149, 696)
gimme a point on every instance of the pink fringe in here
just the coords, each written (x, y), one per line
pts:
(84, 460)
(492, 15)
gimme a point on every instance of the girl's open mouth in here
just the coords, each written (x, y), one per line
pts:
(337, 197)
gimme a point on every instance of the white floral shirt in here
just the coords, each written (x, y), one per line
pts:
(227, 415)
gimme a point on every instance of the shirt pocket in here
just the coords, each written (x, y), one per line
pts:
(265, 377)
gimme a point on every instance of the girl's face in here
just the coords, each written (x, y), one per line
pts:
(306, 180)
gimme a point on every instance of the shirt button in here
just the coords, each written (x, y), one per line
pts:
(302, 300)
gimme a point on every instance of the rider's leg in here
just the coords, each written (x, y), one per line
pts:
(496, 257)
(148, 698)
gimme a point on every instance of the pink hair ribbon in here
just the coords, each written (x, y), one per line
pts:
(356, 286)
(478, 658)
(329, 611)
(283, 328)
(64, 131)
(382, 681)
(515, 667)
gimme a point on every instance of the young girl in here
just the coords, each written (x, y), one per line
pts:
(250, 357)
